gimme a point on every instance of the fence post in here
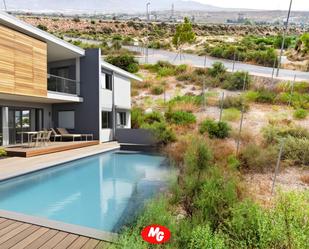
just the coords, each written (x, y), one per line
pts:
(203, 92)
(240, 129)
(221, 106)
(292, 90)
(234, 60)
(277, 166)
(205, 61)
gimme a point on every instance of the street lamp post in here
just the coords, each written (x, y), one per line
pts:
(283, 38)
(4, 4)
(148, 19)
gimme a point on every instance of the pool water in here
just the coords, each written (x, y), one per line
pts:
(101, 192)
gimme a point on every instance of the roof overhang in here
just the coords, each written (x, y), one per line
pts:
(117, 70)
(57, 49)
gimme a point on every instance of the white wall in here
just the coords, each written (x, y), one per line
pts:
(106, 135)
(122, 92)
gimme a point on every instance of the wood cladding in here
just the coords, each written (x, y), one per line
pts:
(23, 64)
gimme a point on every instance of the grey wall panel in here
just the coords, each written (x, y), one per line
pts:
(86, 113)
(135, 136)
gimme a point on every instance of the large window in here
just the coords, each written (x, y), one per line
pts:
(108, 82)
(66, 119)
(121, 119)
(106, 120)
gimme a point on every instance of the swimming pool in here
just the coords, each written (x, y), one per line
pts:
(100, 192)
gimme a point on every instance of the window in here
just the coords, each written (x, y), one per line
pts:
(106, 120)
(121, 119)
(108, 82)
(66, 119)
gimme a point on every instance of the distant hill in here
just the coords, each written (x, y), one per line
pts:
(107, 6)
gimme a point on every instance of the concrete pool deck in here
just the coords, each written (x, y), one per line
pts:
(15, 166)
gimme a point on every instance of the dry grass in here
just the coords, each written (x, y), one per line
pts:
(186, 107)
(305, 179)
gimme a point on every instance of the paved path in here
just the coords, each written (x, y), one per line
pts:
(20, 235)
(199, 61)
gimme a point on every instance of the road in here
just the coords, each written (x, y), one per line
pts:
(199, 61)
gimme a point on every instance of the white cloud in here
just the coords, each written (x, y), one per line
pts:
(260, 4)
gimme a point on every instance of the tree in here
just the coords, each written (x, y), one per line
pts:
(184, 34)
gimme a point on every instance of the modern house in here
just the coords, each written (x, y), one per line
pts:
(46, 82)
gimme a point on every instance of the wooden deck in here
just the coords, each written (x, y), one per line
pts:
(20, 235)
(53, 147)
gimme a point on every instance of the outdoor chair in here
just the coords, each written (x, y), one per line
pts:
(55, 135)
(65, 134)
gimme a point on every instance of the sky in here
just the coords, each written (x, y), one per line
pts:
(259, 4)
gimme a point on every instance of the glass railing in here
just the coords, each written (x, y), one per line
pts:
(62, 85)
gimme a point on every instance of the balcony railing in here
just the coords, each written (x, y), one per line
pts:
(62, 85)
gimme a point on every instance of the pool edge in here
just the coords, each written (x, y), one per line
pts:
(54, 164)
(61, 226)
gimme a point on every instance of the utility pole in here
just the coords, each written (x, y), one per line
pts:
(283, 37)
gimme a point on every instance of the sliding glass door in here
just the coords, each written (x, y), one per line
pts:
(22, 120)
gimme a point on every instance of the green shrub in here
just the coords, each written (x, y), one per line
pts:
(126, 62)
(153, 117)
(265, 96)
(202, 237)
(273, 134)
(237, 102)
(137, 118)
(255, 158)
(196, 100)
(217, 69)
(251, 96)
(162, 133)
(157, 90)
(217, 195)
(3, 153)
(231, 114)
(237, 81)
(42, 27)
(181, 68)
(297, 150)
(180, 117)
(215, 129)
(300, 114)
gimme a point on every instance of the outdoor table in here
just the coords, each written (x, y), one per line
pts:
(29, 133)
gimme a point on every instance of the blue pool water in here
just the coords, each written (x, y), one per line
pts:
(100, 192)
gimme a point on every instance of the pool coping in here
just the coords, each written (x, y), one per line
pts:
(47, 165)
(66, 227)
(61, 226)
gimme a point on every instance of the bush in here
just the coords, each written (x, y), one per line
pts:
(217, 69)
(180, 117)
(231, 114)
(42, 27)
(162, 133)
(257, 159)
(202, 237)
(153, 117)
(300, 114)
(297, 150)
(274, 134)
(137, 118)
(265, 96)
(215, 129)
(157, 90)
(3, 153)
(237, 102)
(126, 62)
(237, 81)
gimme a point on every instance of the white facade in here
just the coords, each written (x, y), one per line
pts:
(115, 100)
